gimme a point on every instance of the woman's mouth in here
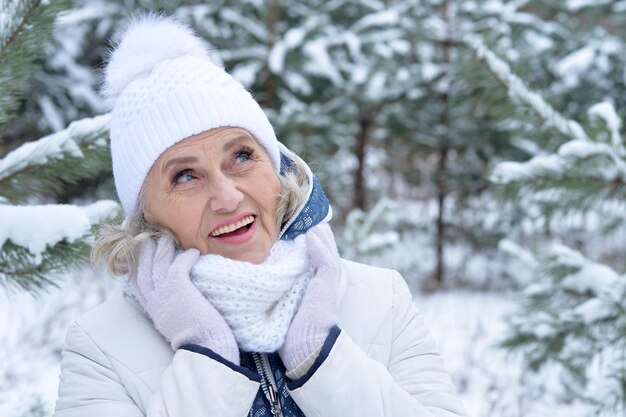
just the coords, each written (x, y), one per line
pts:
(233, 228)
(236, 233)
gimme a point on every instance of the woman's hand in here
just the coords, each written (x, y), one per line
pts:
(175, 305)
(318, 311)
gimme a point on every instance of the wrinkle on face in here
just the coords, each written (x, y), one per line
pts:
(219, 181)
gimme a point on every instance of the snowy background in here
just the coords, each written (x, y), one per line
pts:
(475, 146)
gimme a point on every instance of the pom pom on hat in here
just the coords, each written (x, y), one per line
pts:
(150, 39)
(164, 88)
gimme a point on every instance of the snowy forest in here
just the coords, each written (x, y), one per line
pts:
(476, 146)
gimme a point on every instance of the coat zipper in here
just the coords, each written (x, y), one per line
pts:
(268, 384)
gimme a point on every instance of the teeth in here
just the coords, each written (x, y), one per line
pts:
(232, 227)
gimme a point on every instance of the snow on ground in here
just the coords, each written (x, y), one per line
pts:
(32, 332)
(465, 325)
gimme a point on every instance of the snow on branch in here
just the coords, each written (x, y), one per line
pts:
(13, 17)
(577, 5)
(571, 153)
(540, 166)
(54, 147)
(565, 161)
(361, 235)
(385, 17)
(518, 90)
(605, 111)
(574, 317)
(38, 228)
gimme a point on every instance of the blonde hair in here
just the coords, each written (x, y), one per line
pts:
(117, 246)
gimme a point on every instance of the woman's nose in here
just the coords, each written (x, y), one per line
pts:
(225, 196)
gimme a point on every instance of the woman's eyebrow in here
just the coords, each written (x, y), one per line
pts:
(179, 160)
(234, 142)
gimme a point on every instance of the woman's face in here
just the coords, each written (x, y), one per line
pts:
(217, 192)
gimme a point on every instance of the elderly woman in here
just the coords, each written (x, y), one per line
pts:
(236, 302)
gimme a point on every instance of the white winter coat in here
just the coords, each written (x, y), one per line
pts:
(384, 363)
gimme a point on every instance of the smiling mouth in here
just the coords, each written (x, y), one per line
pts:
(240, 227)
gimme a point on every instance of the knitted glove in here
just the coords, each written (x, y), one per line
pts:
(317, 313)
(175, 305)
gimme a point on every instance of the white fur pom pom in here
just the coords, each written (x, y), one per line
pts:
(148, 40)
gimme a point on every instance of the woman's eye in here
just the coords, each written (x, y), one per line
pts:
(183, 177)
(243, 155)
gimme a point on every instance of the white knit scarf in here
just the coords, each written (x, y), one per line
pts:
(257, 301)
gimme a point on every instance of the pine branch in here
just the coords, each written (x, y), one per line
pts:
(37, 242)
(569, 128)
(20, 269)
(518, 89)
(46, 165)
(573, 317)
(27, 11)
(27, 25)
(576, 178)
(362, 235)
(583, 172)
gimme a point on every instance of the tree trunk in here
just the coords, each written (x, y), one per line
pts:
(360, 193)
(269, 87)
(442, 191)
(441, 225)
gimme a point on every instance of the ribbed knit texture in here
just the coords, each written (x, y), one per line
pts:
(258, 301)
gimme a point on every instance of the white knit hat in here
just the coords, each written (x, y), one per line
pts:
(164, 88)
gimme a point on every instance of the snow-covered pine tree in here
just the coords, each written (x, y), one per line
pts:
(63, 88)
(454, 131)
(574, 315)
(440, 136)
(38, 241)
